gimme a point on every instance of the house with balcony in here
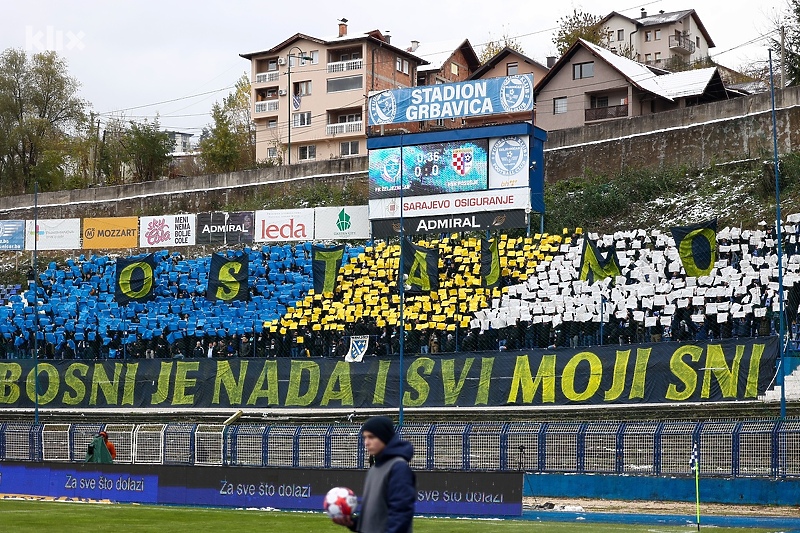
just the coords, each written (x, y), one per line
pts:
(446, 62)
(591, 84)
(309, 94)
(673, 41)
(507, 62)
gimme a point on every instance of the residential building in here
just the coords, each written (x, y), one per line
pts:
(310, 94)
(590, 84)
(181, 141)
(666, 40)
(507, 62)
(447, 62)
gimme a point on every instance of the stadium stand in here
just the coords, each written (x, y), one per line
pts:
(540, 301)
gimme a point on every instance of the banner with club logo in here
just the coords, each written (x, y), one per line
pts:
(510, 94)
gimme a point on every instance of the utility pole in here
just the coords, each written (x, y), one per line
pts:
(783, 57)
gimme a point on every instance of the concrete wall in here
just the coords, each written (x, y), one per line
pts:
(184, 195)
(696, 136)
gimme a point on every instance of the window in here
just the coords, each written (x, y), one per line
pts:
(348, 148)
(272, 64)
(559, 105)
(648, 58)
(272, 152)
(272, 123)
(697, 40)
(349, 83)
(301, 119)
(352, 117)
(658, 35)
(599, 101)
(314, 55)
(399, 64)
(453, 69)
(583, 70)
(657, 56)
(302, 88)
(512, 68)
(272, 92)
(620, 35)
(307, 152)
(648, 36)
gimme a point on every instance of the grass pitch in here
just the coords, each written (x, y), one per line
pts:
(29, 516)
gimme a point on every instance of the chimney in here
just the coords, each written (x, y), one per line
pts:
(414, 46)
(644, 14)
(551, 60)
(342, 27)
(387, 37)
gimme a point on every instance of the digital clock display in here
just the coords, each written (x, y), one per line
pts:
(428, 169)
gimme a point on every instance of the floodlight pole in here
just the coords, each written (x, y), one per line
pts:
(34, 286)
(781, 321)
(401, 292)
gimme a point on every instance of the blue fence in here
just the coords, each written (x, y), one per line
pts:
(738, 448)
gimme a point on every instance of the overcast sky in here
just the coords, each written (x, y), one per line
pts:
(145, 58)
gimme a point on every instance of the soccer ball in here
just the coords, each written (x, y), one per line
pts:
(340, 501)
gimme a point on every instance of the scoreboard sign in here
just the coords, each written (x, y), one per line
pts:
(428, 169)
(510, 94)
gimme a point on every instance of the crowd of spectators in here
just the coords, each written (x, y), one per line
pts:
(539, 302)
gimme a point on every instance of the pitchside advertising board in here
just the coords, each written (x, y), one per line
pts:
(12, 235)
(225, 228)
(458, 180)
(110, 232)
(53, 234)
(303, 489)
(166, 231)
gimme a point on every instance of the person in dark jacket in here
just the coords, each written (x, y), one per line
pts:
(390, 488)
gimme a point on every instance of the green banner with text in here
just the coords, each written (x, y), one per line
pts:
(730, 370)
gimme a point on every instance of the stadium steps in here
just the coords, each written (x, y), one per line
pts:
(792, 383)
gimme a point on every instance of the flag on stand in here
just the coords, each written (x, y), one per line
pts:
(694, 463)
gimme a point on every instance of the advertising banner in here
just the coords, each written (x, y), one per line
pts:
(110, 232)
(511, 94)
(341, 223)
(492, 220)
(239, 227)
(730, 370)
(12, 234)
(54, 234)
(509, 162)
(449, 204)
(284, 225)
(429, 169)
(302, 489)
(210, 228)
(167, 230)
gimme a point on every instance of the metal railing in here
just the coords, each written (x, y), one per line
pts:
(343, 66)
(681, 43)
(748, 448)
(344, 127)
(602, 113)
(266, 77)
(267, 106)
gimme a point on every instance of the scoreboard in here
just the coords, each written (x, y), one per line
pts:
(427, 169)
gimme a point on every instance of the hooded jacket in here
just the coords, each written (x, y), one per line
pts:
(390, 491)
